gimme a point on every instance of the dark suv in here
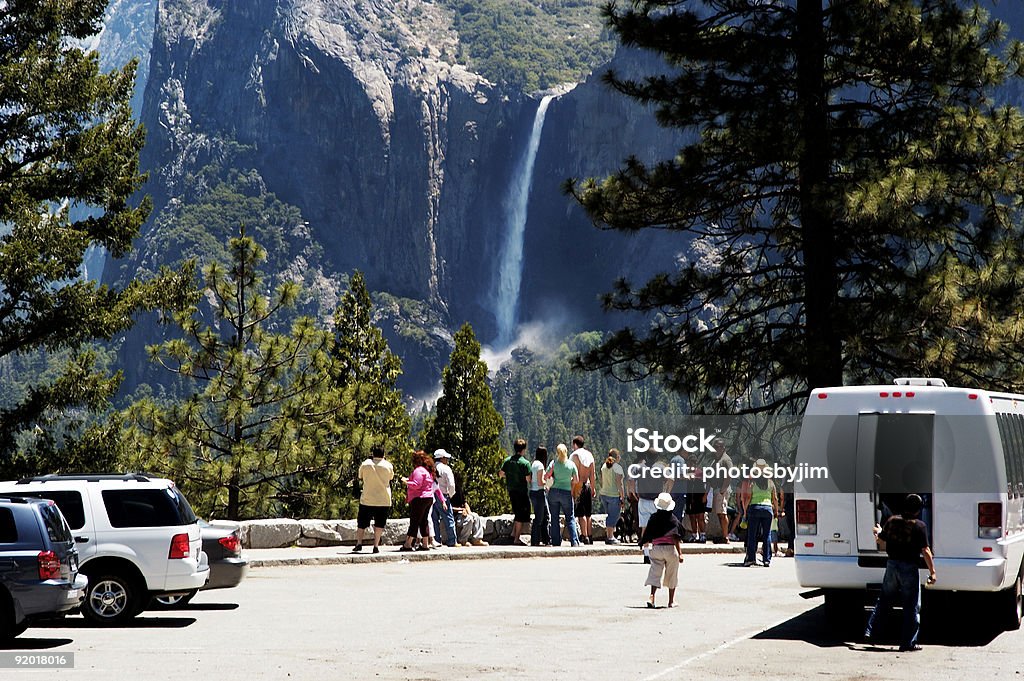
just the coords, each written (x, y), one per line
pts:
(38, 564)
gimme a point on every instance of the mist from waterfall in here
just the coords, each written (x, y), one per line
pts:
(510, 260)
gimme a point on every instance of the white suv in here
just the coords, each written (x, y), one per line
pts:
(137, 538)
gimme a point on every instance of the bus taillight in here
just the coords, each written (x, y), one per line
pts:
(806, 516)
(990, 520)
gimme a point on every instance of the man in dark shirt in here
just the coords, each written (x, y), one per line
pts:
(905, 539)
(516, 472)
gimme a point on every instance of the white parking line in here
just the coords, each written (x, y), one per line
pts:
(717, 649)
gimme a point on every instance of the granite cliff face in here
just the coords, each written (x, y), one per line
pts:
(398, 159)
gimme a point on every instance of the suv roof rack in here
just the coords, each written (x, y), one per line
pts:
(88, 477)
(915, 380)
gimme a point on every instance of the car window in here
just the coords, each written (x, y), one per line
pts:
(55, 525)
(8, 528)
(146, 508)
(68, 501)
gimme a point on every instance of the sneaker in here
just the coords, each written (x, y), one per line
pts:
(479, 542)
(406, 549)
(376, 549)
(733, 537)
(789, 553)
(357, 548)
(719, 540)
(612, 541)
(748, 563)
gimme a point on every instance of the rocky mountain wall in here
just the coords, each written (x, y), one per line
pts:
(398, 160)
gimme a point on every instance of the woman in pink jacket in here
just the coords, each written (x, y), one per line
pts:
(420, 493)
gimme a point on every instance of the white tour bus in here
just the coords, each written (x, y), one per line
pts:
(961, 449)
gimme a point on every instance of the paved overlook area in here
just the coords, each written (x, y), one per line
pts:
(561, 617)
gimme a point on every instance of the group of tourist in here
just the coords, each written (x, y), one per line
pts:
(545, 490)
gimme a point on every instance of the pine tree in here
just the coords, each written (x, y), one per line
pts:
(365, 367)
(262, 417)
(467, 425)
(848, 200)
(67, 143)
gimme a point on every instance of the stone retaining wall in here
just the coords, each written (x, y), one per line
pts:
(283, 532)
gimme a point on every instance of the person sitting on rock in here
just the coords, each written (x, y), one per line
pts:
(469, 526)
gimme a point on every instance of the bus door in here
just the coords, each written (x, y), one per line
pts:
(894, 459)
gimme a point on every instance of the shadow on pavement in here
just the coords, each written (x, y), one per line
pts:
(946, 626)
(29, 643)
(208, 606)
(137, 623)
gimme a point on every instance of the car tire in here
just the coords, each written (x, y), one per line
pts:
(1012, 604)
(172, 602)
(8, 630)
(111, 600)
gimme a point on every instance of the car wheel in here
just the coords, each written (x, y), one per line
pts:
(171, 602)
(1012, 604)
(8, 629)
(110, 600)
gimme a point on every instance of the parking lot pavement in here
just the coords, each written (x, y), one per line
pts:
(504, 619)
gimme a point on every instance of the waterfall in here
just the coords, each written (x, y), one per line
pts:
(510, 260)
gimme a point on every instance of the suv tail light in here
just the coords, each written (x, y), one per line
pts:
(806, 516)
(230, 543)
(990, 520)
(49, 565)
(179, 546)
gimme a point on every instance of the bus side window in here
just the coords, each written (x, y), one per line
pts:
(1017, 456)
(1009, 437)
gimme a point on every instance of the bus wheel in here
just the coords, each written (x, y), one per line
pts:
(1012, 604)
(844, 611)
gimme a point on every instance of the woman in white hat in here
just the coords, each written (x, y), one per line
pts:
(762, 504)
(663, 534)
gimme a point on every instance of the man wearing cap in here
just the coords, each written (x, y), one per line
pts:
(375, 475)
(904, 539)
(445, 483)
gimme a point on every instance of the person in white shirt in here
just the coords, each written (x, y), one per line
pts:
(584, 461)
(446, 483)
(375, 475)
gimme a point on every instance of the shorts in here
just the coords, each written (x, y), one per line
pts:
(585, 504)
(664, 561)
(520, 505)
(695, 503)
(379, 515)
(720, 504)
(645, 509)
